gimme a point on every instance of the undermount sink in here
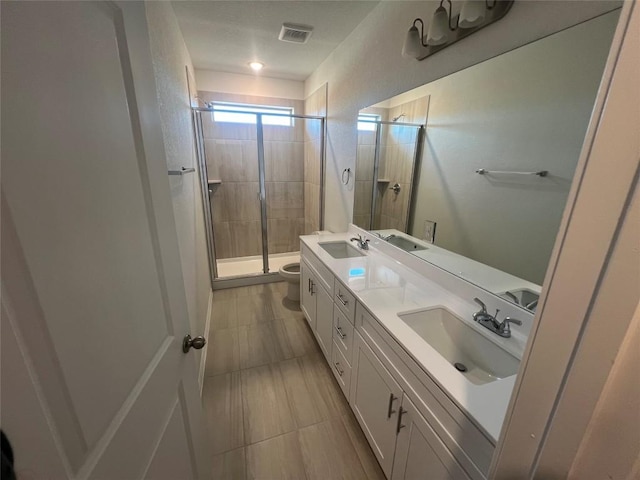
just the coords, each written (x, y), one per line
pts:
(340, 249)
(405, 244)
(474, 356)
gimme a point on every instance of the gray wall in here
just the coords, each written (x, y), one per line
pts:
(367, 68)
(170, 57)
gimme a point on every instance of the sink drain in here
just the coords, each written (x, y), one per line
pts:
(460, 367)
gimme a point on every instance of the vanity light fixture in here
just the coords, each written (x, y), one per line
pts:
(440, 25)
(445, 30)
(256, 66)
(413, 43)
(473, 12)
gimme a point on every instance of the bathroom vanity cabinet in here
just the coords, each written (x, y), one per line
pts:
(330, 316)
(414, 428)
(420, 419)
(375, 400)
(317, 306)
(419, 451)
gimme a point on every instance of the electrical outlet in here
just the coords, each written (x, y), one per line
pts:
(430, 231)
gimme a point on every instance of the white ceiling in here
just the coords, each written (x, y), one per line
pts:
(226, 35)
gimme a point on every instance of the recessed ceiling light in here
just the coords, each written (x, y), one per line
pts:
(256, 66)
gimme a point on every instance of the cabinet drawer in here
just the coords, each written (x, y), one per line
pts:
(471, 448)
(342, 333)
(324, 274)
(345, 300)
(341, 370)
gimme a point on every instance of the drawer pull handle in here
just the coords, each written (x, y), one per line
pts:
(399, 425)
(390, 410)
(313, 288)
(309, 289)
(338, 369)
(340, 334)
(342, 299)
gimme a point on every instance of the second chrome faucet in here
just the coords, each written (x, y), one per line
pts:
(362, 243)
(491, 322)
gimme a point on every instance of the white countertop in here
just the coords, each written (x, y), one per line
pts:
(386, 287)
(478, 273)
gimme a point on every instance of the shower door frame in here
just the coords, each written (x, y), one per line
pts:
(205, 191)
(417, 154)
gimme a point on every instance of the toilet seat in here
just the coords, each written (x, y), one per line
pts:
(292, 268)
(291, 273)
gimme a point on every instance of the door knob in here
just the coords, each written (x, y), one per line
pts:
(197, 343)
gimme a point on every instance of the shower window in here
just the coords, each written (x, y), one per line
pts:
(245, 113)
(367, 122)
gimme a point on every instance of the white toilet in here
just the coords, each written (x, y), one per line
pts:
(291, 273)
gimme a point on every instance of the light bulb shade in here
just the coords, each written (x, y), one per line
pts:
(472, 13)
(412, 43)
(438, 27)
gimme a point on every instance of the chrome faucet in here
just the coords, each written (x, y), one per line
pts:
(385, 238)
(512, 297)
(362, 243)
(491, 322)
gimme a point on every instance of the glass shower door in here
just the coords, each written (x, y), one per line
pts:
(263, 179)
(364, 175)
(292, 160)
(231, 152)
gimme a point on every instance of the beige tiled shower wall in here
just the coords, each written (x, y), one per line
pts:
(315, 104)
(364, 179)
(397, 155)
(232, 157)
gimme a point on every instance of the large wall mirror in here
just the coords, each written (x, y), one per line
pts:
(481, 190)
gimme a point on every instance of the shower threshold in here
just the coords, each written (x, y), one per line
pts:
(243, 266)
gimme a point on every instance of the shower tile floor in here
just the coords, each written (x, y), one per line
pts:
(274, 410)
(234, 267)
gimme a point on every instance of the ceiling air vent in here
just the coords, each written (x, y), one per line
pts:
(293, 33)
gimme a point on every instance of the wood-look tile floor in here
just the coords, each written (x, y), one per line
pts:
(274, 410)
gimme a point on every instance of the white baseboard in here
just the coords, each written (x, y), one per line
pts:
(203, 358)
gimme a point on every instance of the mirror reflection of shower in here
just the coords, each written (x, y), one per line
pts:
(389, 140)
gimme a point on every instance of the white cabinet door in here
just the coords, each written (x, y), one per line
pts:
(420, 454)
(324, 320)
(94, 380)
(309, 286)
(375, 400)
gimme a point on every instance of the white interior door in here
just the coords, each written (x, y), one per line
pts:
(94, 380)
